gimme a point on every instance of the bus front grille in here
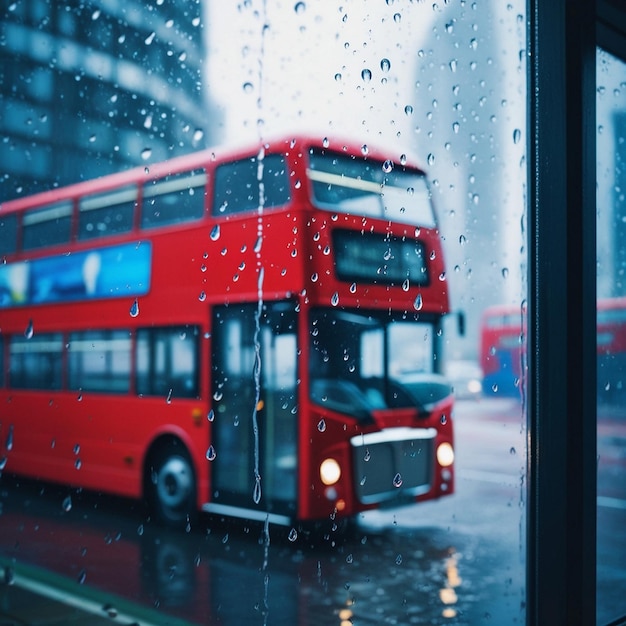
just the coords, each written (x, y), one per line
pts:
(393, 464)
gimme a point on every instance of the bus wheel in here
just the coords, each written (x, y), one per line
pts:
(171, 486)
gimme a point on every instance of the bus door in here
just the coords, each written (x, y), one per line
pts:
(254, 400)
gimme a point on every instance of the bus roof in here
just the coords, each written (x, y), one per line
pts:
(196, 160)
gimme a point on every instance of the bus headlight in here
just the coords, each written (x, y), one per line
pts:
(330, 472)
(445, 455)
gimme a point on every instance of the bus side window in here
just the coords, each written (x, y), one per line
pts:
(8, 234)
(167, 362)
(47, 227)
(173, 199)
(107, 214)
(36, 363)
(99, 360)
(237, 185)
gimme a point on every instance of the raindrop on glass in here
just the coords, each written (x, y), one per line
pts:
(299, 7)
(405, 285)
(335, 299)
(366, 75)
(397, 480)
(211, 454)
(387, 166)
(517, 135)
(9, 440)
(293, 534)
(211, 415)
(385, 65)
(202, 296)
(418, 303)
(321, 426)
(134, 308)
(146, 153)
(30, 330)
(215, 233)
(67, 504)
(169, 397)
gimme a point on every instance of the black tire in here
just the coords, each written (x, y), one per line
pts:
(171, 486)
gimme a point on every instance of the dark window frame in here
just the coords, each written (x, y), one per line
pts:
(562, 420)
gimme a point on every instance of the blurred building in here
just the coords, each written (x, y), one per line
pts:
(89, 87)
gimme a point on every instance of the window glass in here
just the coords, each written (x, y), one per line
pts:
(107, 214)
(173, 199)
(237, 185)
(8, 234)
(47, 227)
(35, 362)
(368, 187)
(167, 362)
(611, 335)
(99, 361)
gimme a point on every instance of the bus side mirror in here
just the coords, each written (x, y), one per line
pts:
(461, 323)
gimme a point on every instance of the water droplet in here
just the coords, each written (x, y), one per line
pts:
(430, 159)
(399, 559)
(418, 303)
(387, 166)
(215, 233)
(211, 454)
(150, 38)
(140, 529)
(202, 296)
(67, 504)
(353, 288)
(443, 419)
(405, 285)
(349, 558)
(146, 153)
(3, 463)
(314, 277)
(512, 450)
(453, 65)
(397, 480)
(367, 456)
(82, 577)
(256, 494)
(517, 135)
(462, 240)
(211, 415)
(366, 75)
(169, 397)
(78, 464)
(385, 65)
(134, 308)
(505, 272)
(30, 330)
(198, 134)
(299, 7)
(397, 17)
(293, 534)
(76, 449)
(335, 299)
(321, 426)
(8, 444)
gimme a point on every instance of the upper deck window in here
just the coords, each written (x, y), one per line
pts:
(107, 213)
(48, 226)
(173, 199)
(238, 185)
(363, 186)
(8, 234)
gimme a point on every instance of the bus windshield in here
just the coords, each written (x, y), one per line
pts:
(361, 363)
(361, 186)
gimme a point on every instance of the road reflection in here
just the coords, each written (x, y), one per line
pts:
(454, 561)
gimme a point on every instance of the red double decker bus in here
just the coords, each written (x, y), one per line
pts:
(252, 332)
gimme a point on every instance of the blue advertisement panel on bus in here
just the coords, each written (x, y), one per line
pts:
(110, 272)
